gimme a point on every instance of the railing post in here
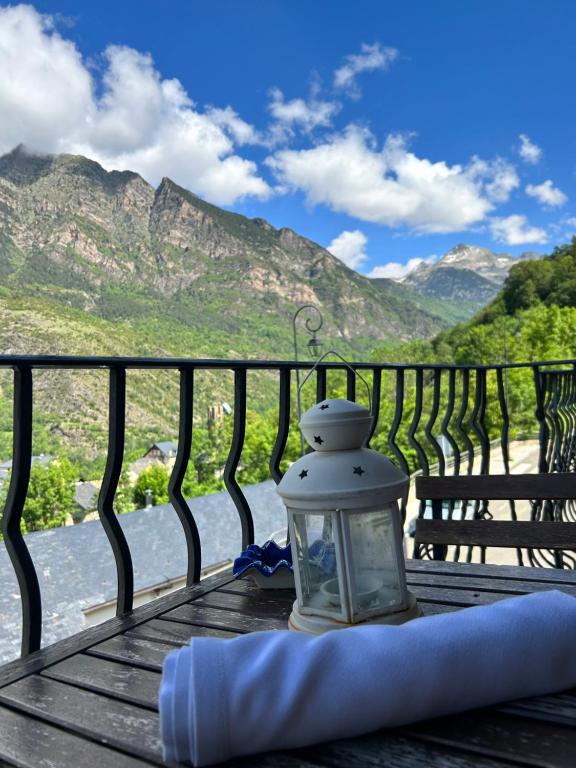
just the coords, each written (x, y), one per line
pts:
(233, 460)
(193, 546)
(116, 424)
(13, 539)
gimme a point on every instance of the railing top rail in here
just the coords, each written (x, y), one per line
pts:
(88, 362)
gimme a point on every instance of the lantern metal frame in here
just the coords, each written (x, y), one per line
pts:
(371, 578)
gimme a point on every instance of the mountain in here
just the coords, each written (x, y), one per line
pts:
(467, 276)
(95, 262)
(110, 244)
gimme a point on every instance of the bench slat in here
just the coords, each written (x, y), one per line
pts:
(557, 485)
(496, 533)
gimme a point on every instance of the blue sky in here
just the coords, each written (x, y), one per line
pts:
(388, 132)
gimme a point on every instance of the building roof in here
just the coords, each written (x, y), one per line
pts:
(76, 568)
(165, 447)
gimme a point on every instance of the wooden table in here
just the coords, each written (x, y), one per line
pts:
(91, 700)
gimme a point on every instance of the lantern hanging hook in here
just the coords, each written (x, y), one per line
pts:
(347, 364)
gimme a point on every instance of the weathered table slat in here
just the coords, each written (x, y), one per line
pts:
(559, 708)
(247, 605)
(502, 572)
(462, 598)
(146, 654)
(503, 735)
(391, 750)
(137, 686)
(483, 584)
(103, 719)
(175, 633)
(28, 743)
(91, 702)
(223, 619)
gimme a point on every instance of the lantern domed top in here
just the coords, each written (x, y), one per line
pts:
(336, 425)
(340, 471)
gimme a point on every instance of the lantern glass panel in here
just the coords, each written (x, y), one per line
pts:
(315, 545)
(374, 544)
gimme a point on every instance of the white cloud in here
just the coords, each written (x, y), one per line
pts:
(306, 114)
(45, 93)
(571, 221)
(501, 177)
(515, 230)
(372, 57)
(547, 194)
(393, 186)
(125, 116)
(528, 151)
(396, 271)
(228, 119)
(350, 247)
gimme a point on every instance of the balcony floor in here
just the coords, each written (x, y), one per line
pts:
(91, 700)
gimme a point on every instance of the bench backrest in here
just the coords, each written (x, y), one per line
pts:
(494, 533)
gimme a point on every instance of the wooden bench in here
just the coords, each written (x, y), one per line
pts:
(541, 534)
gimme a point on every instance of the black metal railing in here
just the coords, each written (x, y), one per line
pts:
(430, 418)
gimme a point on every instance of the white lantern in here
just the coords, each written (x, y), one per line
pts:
(345, 525)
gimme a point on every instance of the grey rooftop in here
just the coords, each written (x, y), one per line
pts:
(76, 567)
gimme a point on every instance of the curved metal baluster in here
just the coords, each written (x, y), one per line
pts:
(460, 419)
(548, 406)
(446, 420)
(376, 394)
(445, 432)
(504, 436)
(505, 444)
(116, 425)
(391, 439)
(569, 418)
(283, 426)
(397, 420)
(320, 384)
(565, 417)
(477, 420)
(569, 508)
(572, 455)
(177, 499)
(420, 452)
(467, 443)
(541, 418)
(350, 385)
(230, 481)
(538, 512)
(432, 420)
(554, 415)
(478, 425)
(15, 545)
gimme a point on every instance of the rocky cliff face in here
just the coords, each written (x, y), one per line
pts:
(78, 232)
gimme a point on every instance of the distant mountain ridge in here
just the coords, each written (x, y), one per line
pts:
(467, 274)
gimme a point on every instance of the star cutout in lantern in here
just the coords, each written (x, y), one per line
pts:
(324, 406)
(303, 474)
(359, 471)
(318, 440)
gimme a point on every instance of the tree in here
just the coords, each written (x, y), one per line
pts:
(124, 497)
(50, 497)
(155, 479)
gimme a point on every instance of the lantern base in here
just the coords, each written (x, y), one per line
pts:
(317, 625)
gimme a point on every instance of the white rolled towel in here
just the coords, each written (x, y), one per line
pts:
(278, 690)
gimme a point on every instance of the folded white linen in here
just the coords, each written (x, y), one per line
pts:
(278, 690)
